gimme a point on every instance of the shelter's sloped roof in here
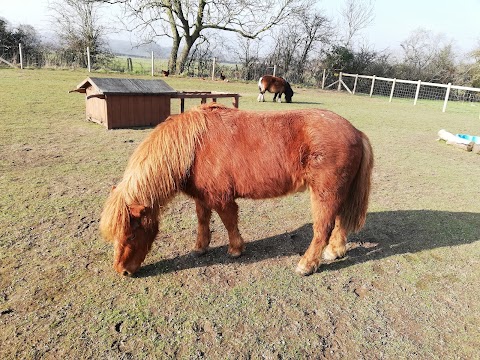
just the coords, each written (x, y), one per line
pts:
(126, 86)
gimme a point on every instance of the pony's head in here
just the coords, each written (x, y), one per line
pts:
(288, 92)
(131, 228)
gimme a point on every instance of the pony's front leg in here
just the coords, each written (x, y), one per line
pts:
(323, 212)
(336, 247)
(229, 216)
(279, 98)
(203, 232)
(261, 97)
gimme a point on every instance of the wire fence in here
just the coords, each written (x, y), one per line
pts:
(205, 68)
(50, 57)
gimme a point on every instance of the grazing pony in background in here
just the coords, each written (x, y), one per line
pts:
(216, 154)
(166, 73)
(275, 85)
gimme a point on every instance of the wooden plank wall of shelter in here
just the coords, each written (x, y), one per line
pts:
(95, 108)
(138, 110)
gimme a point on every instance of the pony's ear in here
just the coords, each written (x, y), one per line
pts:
(136, 210)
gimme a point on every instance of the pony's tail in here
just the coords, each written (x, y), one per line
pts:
(354, 210)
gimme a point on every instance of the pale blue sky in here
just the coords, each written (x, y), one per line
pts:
(394, 20)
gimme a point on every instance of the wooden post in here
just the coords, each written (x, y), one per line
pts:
(417, 92)
(274, 70)
(393, 89)
(323, 78)
(373, 84)
(182, 105)
(339, 81)
(213, 70)
(21, 55)
(235, 101)
(88, 59)
(355, 84)
(446, 97)
(153, 65)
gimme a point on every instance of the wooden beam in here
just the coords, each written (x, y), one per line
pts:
(6, 62)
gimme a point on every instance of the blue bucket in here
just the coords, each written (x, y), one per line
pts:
(475, 139)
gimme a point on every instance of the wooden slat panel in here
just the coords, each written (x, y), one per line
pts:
(113, 119)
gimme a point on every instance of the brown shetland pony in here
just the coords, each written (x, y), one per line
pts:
(216, 154)
(275, 85)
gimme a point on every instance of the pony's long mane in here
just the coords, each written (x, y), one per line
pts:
(155, 171)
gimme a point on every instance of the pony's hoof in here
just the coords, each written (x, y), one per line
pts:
(235, 253)
(199, 252)
(329, 254)
(306, 270)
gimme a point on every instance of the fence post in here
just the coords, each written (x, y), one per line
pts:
(153, 65)
(274, 70)
(393, 89)
(21, 55)
(213, 69)
(339, 81)
(417, 92)
(355, 84)
(446, 97)
(373, 84)
(88, 59)
(323, 78)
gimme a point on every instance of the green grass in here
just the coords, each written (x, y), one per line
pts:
(407, 288)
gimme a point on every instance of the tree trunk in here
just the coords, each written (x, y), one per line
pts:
(172, 61)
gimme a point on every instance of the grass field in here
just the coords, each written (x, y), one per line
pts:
(408, 287)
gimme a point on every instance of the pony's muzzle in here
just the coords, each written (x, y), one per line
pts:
(123, 270)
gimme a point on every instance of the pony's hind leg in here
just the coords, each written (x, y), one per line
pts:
(229, 216)
(324, 211)
(336, 247)
(203, 231)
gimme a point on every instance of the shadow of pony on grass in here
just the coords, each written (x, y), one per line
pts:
(385, 234)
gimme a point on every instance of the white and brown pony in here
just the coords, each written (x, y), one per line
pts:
(277, 85)
(216, 154)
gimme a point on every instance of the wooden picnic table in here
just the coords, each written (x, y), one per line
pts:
(203, 96)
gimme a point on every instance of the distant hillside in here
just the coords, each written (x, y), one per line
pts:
(126, 48)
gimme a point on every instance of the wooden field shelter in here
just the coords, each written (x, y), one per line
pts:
(125, 103)
(122, 103)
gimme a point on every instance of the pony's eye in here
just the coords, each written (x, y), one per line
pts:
(131, 237)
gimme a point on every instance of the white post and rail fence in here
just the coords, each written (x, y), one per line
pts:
(398, 88)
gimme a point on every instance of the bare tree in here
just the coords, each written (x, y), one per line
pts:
(316, 30)
(78, 26)
(248, 51)
(427, 56)
(184, 21)
(357, 15)
(305, 32)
